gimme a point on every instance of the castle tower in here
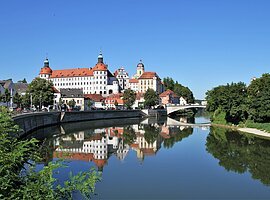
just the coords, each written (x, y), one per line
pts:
(45, 71)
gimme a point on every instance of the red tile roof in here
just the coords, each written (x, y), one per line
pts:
(100, 162)
(100, 67)
(72, 72)
(168, 92)
(139, 95)
(148, 75)
(133, 80)
(45, 70)
(94, 97)
(115, 73)
(115, 97)
(55, 90)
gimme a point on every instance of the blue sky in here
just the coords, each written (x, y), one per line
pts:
(200, 43)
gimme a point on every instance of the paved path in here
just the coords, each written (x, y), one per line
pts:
(254, 131)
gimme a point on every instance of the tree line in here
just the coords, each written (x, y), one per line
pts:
(179, 89)
(236, 102)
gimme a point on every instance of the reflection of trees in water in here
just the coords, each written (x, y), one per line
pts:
(129, 135)
(176, 135)
(151, 133)
(240, 153)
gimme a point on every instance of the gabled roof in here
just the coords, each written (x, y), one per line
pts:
(168, 92)
(55, 90)
(6, 83)
(20, 87)
(71, 93)
(72, 72)
(133, 80)
(148, 75)
(139, 95)
(94, 97)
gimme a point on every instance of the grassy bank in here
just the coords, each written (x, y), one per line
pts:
(259, 126)
(218, 118)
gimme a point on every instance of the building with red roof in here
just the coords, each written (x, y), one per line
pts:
(143, 80)
(169, 97)
(94, 80)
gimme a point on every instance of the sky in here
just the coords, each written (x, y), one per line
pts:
(199, 43)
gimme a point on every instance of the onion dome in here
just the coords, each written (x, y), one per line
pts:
(140, 64)
(100, 58)
(46, 69)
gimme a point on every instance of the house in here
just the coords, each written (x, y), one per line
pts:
(77, 95)
(139, 101)
(56, 98)
(115, 101)
(96, 101)
(2, 90)
(134, 84)
(183, 101)
(20, 88)
(169, 97)
(9, 85)
(142, 80)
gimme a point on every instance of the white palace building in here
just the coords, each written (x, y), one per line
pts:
(96, 80)
(99, 80)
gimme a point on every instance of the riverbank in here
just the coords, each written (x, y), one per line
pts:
(254, 131)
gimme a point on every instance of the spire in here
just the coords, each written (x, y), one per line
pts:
(46, 62)
(100, 57)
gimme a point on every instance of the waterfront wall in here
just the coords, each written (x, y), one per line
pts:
(33, 121)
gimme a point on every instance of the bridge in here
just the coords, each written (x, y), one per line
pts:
(173, 122)
(173, 108)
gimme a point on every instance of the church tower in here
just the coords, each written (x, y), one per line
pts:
(140, 69)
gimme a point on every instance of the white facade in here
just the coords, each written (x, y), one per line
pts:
(182, 101)
(122, 77)
(96, 80)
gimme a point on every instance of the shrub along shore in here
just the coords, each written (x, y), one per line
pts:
(246, 108)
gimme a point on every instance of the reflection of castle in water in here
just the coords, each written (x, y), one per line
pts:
(97, 145)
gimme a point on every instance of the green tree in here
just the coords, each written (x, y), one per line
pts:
(42, 92)
(129, 135)
(168, 83)
(90, 102)
(179, 89)
(22, 81)
(151, 133)
(26, 101)
(184, 92)
(17, 99)
(20, 179)
(116, 104)
(259, 99)
(129, 97)
(7, 96)
(71, 104)
(230, 99)
(151, 98)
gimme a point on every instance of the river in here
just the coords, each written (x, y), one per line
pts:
(162, 159)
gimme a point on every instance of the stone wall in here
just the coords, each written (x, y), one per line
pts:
(30, 122)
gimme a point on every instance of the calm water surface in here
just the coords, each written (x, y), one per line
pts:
(162, 159)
